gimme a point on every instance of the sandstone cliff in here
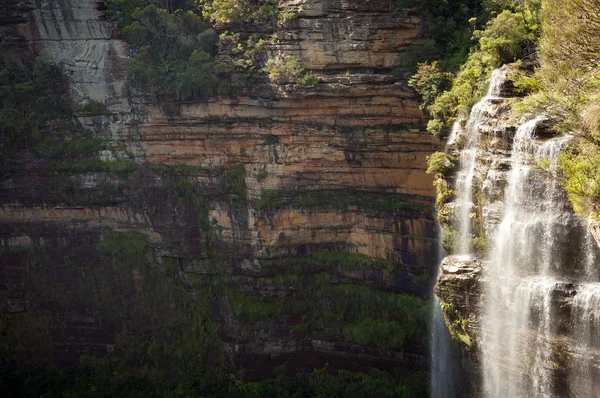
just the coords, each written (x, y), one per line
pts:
(255, 220)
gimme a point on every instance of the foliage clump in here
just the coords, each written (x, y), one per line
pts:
(499, 43)
(286, 69)
(115, 378)
(430, 81)
(440, 164)
(174, 47)
(29, 98)
(581, 171)
(566, 88)
(231, 11)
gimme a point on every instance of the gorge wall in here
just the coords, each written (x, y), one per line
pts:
(277, 225)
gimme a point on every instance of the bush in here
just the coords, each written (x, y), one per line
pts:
(93, 108)
(500, 42)
(174, 48)
(228, 11)
(383, 334)
(430, 82)
(440, 164)
(286, 69)
(581, 178)
(30, 97)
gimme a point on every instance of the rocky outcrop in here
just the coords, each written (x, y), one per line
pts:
(236, 197)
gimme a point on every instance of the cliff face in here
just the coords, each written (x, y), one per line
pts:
(524, 305)
(265, 225)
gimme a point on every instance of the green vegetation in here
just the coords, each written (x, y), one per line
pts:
(29, 98)
(375, 203)
(383, 334)
(286, 69)
(440, 164)
(93, 108)
(566, 88)
(80, 154)
(228, 11)
(500, 42)
(356, 311)
(271, 140)
(581, 170)
(450, 25)
(358, 314)
(233, 185)
(430, 81)
(182, 337)
(113, 378)
(457, 324)
(174, 47)
(353, 261)
(128, 245)
(253, 309)
(247, 52)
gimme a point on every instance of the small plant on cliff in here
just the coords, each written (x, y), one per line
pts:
(93, 108)
(581, 175)
(248, 53)
(129, 245)
(286, 69)
(236, 11)
(440, 164)
(287, 16)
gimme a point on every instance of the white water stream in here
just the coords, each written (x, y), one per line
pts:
(443, 358)
(540, 257)
(468, 157)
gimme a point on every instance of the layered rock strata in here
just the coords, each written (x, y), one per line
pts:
(235, 199)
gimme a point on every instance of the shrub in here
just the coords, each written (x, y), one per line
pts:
(29, 98)
(498, 43)
(286, 69)
(93, 108)
(247, 52)
(383, 334)
(174, 47)
(581, 178)
(440, 164)
(228, 11)
(430, 82)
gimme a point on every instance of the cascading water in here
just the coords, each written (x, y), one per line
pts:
(468, 158)
(442, 356)
(541, 267)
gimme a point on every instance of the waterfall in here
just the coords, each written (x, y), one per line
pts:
(443, 377)
(540, 318)
(442, 373)
(442, 355)
(468, 158)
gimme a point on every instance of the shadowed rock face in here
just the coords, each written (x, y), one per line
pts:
(241, 192)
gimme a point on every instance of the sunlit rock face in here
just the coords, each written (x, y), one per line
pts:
(243, 192)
